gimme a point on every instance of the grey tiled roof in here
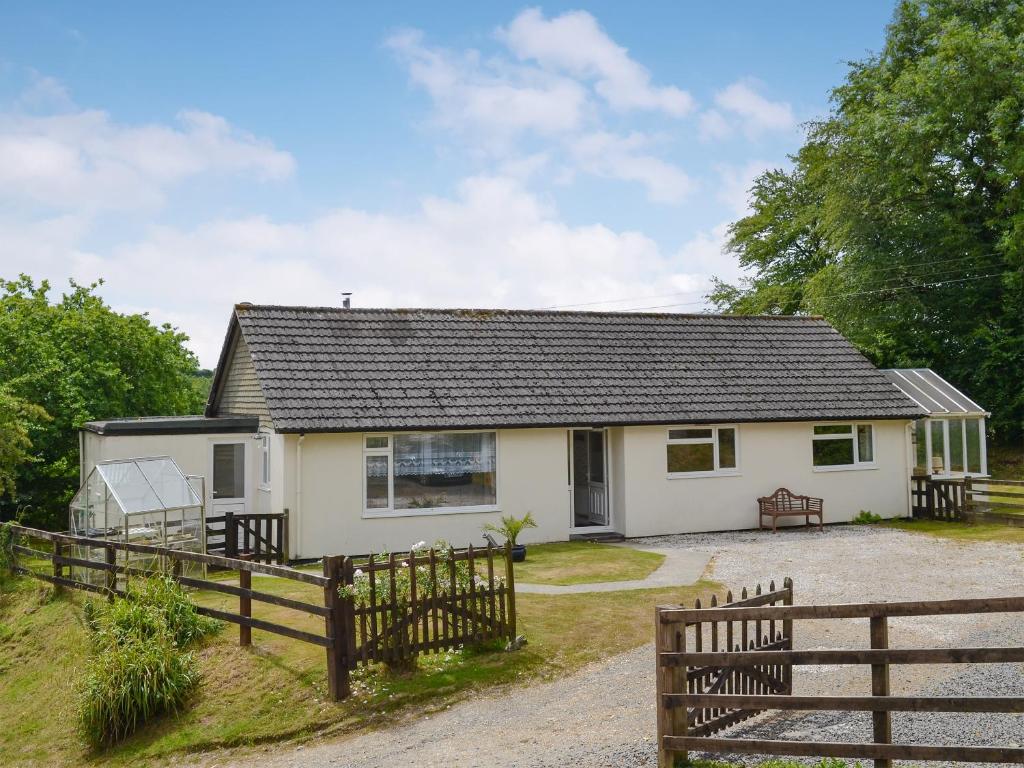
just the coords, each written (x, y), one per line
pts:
(327, 369)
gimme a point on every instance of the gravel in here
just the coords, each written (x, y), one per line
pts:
(604, 714)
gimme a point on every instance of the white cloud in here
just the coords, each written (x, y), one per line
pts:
(493, 243)
(84, 160)
(492, 98)
(740, 107)
(575, 43)
(624, 157)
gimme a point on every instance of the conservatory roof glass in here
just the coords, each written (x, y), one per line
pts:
(932, 392)
(146, 485)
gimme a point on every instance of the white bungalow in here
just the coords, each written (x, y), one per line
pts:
(376, 428)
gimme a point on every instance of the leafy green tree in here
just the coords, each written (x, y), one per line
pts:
(65, 363)
(901, 220)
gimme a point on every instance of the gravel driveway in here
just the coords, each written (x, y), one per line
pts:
(604, 714)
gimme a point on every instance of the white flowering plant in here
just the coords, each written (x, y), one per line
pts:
(426, 580)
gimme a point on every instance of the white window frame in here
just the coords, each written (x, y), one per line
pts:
(946, 454)
(857, 463)
(264, 469)
(390, 510)
(718, 471)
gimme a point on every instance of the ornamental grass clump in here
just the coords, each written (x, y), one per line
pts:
(139, 667)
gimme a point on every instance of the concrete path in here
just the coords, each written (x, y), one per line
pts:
(680, 568)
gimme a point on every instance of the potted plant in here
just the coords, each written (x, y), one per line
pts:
(511, 526)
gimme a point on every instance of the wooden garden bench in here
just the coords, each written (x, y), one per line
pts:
(785, 503)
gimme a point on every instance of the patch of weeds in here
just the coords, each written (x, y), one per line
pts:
(866, 517)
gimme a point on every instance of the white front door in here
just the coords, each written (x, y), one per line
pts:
(588, 479)
(228, 477)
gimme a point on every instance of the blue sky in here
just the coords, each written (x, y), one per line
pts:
(486, 154)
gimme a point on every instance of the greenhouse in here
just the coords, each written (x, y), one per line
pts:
(138, 501)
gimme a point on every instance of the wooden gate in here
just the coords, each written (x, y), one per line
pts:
(715, 636)
(261, 538)
(681, 704)
(938, 499)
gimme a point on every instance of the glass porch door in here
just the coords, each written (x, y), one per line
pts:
(588, 481)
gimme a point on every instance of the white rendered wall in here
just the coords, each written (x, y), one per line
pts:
(532, 477)
(771, 455)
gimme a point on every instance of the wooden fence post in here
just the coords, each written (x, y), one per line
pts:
(787, 633)
(245, 607)
(230, 535)
(58, 567)
(337, 629)
(110, 555)
(882, 721)
(672, 717)
(283, 539)
(510, 591)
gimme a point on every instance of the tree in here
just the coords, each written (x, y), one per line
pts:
(69, 362)
(901, 220)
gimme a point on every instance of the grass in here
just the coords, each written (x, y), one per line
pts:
(276, 689)
(961, 531)
(585, 562)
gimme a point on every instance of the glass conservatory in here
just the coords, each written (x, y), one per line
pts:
(950, 441)
(138, 501)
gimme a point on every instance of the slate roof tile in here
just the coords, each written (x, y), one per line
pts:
(330, 369)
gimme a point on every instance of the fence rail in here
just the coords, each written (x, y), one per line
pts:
(391, 622)
(677, 734)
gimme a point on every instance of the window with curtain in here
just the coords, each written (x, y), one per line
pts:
(430, 470)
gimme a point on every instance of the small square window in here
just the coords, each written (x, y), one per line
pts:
(377, 441)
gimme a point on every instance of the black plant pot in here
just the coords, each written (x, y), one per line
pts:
(518, 553)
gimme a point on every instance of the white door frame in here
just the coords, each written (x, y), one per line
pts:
(610, 526)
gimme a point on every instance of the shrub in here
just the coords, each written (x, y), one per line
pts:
(866, 517)
(6, 554)
(139, 668)
(511, 526)
(131, 681)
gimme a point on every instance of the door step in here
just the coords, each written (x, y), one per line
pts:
(604, 537)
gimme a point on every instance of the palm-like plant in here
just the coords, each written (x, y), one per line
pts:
(511, 526)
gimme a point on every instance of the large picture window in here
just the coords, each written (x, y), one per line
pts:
(430, 471)
(843, 446)
(702, 451)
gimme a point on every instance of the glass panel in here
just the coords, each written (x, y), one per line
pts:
(832, 453)
(596, 456)
(727, 448)
(956, 445)
(455, 469)
(377, 441)
(129, 487)
(833, 429)
(921, 447)
(865, 445)
(377, 482)
(974, 438)
(229, 471)
(689, 434)
(170, 485)
(938, 457)
(692, 457)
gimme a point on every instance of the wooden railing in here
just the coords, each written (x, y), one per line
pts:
(969, 498)
(676, 736)
(263, 538)
(385, 627)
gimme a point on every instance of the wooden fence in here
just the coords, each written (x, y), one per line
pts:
(968, 498)
(261, 537)
(676, 733)
(392, 620)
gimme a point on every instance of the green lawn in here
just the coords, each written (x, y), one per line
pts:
(276, 689)
(961, 531)
(584, 562)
